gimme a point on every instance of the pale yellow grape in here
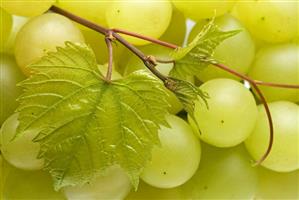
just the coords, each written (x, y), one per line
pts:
(146, 17)
(284, 156)
(26, 8)
(272, 21)
(222, 174)
(178, 157)
(274, 185)
(21, 151)
(236, 52)
(91, 10)
(28, 185)
(132, 63)
(114, 184)
(41, 35)
(231, 113)
(5, 28)
(278, 64)
(17, 24)
(175, 33)
(197, 10)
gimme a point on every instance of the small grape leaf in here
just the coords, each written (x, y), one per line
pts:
(86, 124)
(193, 58)
(187, 93)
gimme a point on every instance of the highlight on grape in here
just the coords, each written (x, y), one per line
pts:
(149, 99)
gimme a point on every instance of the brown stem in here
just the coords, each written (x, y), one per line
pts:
(150, 39)
(110, 57)
(280, 85)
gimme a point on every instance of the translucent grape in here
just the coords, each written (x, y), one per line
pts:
(284, 156)
(271, 21)
(10, 75)
(222, 174)
(229, 51)
(21, 151)
(114, 184)
(273, 185)
(91, 10)
(29, 185)
(150, 18)
(230, 116)
(42, 34)
(177, 159)
(203, 9)
(278, 64)
(26, 7)
(5, 28)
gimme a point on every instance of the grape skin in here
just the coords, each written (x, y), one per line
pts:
(43, 34)
(25, 7)
(230, 116)
(21, 151)
(284, 156)
(177, 159)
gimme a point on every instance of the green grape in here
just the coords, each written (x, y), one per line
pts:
(42, 34)
(97, 42)
(175, 33)
(273, 185)
(114, 184)
(271, 21)
(93, 11)
(230, 116)
(284, 156)
(222, 174)
(9, 45)
(197, 10)
(146, 191)
(21, 151)
(229, 51)
(133, 63)
(278, 64)
(150, 18)
(177, 159)
(5, 26)
(10, 75)
(29, 185)
(26, 8)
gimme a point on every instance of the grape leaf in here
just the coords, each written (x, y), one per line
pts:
(86, 124)
(191, 59)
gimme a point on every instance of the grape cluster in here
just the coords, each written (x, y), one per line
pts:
(205, 156)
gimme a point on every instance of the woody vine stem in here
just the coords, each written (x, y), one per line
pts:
(150, 62)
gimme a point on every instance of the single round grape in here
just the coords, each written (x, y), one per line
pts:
(9, 45)
(150, 18)
(284, 156)
(114, 184)
(21, 151)
(177, 159)
(230, 116)
(197, 10)
(278, 64)
(10, 75)
(29, 185)
(222, 174)
(5, 28)
(42, 34)
(273, 185)
(229, 51)
(26, 7)
(176, 31)
(93, 11)
(271, 21)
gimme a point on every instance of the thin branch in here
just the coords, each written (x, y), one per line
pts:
(110, 56)
(268, 113)
(150, 39)
(280, 85)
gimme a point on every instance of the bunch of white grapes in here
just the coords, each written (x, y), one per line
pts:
(201, 157)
